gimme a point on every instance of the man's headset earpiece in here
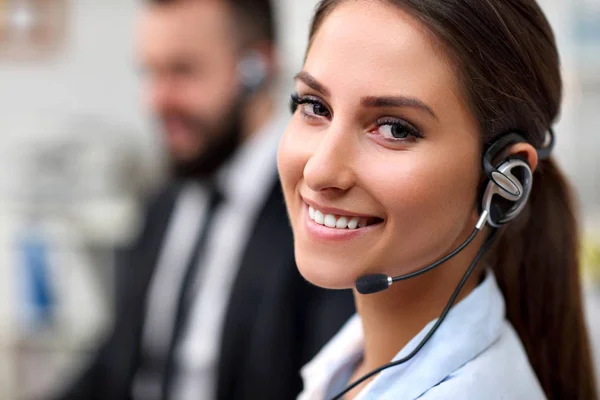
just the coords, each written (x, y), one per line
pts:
(510, 182)
(253, 72)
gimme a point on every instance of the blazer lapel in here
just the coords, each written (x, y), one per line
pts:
(269, 249)
(135, 268)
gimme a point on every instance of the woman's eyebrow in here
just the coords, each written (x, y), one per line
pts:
(369, 101)
(312, 82)
(397, 101)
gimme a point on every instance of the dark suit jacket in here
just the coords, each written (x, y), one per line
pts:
(275, 322)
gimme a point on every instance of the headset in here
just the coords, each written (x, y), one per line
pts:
(253, 73)
(511, 181)
(504, 194)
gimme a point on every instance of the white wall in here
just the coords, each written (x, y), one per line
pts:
(94, 72)
(93, 75)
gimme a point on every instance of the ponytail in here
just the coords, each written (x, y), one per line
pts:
(536, 262)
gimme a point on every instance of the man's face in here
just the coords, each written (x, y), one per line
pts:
(188, 52)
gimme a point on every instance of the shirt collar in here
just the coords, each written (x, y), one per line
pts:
(243, 179)
(470, 327)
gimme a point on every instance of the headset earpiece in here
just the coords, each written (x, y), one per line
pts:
(253, 72)
(509, 184)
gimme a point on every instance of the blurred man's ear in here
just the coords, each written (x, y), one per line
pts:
(268, 51)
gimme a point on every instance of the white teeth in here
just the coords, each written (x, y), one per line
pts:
(319, 217)
(331, 221)
(342, 223)
(353, 224)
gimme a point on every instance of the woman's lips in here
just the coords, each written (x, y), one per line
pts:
(336, 227)
(340, 221)
(333, 211)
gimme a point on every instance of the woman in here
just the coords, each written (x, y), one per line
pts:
(397, 104)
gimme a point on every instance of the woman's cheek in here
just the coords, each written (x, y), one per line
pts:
(293, 154)
(290, 163)
(285, 161)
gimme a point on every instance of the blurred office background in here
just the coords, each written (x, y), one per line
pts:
(77, 153)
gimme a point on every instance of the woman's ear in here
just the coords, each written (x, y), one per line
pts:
(526, 151)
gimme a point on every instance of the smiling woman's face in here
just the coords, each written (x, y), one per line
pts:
(380, 162)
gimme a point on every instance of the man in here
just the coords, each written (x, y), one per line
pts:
(210, 304)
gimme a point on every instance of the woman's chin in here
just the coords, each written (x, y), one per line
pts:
(325, 275)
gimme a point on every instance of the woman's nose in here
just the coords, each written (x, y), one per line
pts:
(329, 168)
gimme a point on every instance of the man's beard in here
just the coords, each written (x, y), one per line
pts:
(222, 139)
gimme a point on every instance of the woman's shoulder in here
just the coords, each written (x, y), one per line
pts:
(502, 371)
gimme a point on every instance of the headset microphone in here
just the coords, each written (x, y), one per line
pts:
(369, 284)
(488, 242)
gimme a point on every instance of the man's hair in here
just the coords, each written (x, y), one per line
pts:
(256, 17)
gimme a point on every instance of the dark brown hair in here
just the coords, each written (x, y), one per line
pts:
(506, 57)
(257, 18)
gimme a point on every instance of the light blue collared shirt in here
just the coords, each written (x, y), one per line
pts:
(475, 354)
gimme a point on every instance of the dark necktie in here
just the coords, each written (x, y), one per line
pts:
(186, 294)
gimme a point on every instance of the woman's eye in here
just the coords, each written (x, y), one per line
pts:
(316, 109)
(309, 107)
(394, 131)
(398, 130)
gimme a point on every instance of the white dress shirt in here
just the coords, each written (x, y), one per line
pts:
(475, 354)
(245, 182)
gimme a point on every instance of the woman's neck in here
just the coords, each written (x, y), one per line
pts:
(393, 317)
